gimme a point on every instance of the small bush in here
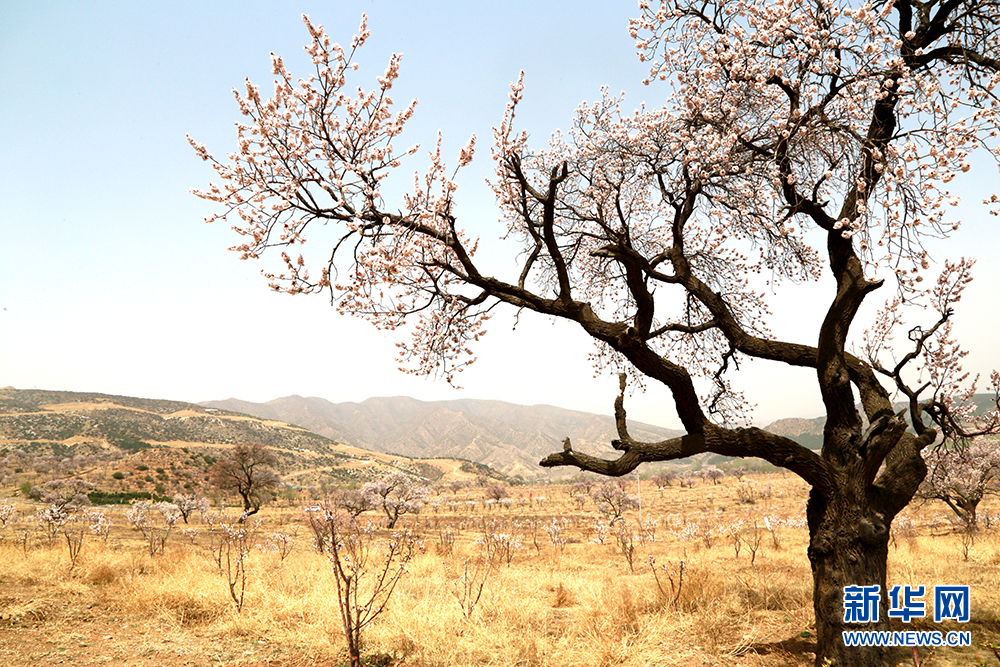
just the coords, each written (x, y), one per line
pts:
(122, 497)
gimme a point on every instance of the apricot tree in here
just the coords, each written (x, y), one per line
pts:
(961, 477)
(247, 470)
(796, 142)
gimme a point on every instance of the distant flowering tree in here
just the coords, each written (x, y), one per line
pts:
(795, 141)
(354, 501)
(712, 473)
(961, 477)
(188, 503)
(664, 479)
(496, 492)
(612, 501)
(396, 495)
(69, 494)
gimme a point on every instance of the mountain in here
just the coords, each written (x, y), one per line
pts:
(809, 432)
(119, 442)
(806, 432)
(508, 437)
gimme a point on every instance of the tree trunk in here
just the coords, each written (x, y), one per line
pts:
(248, 508)
(848, 546)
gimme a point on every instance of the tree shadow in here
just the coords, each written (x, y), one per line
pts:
(797, 648)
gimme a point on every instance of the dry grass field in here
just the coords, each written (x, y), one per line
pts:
(745, 596)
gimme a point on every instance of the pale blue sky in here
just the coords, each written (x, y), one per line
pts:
(110, 282)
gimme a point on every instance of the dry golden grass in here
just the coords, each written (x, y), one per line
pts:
(576, 606)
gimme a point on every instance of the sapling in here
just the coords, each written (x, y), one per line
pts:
(99, 522)
(155, 521)
(625, 537)
(497, 544)
(51, 519)
(234, 551)
(467, 587)
(365, 568)
(278, 543)
(8, 515)
(554, 529)
(673, 575)
(73, 530)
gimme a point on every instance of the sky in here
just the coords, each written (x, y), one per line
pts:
(111, 282)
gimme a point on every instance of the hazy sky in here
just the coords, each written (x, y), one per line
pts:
(111, 282)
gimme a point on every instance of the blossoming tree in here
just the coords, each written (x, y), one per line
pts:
(797, 141)
(397, 495)
(961, 478)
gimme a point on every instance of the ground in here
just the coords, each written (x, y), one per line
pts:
(745, 599)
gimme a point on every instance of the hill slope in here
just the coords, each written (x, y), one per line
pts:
(55, 433)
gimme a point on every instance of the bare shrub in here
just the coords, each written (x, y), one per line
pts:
(746, 493)
(73, 531)
(734, 531)
(531, 528)
(752, 538)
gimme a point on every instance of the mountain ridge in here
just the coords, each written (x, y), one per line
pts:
(509, 437)
(506, 436)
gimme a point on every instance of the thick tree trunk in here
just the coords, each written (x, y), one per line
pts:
(848, 546)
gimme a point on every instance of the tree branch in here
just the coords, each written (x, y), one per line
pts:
(740, 442)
